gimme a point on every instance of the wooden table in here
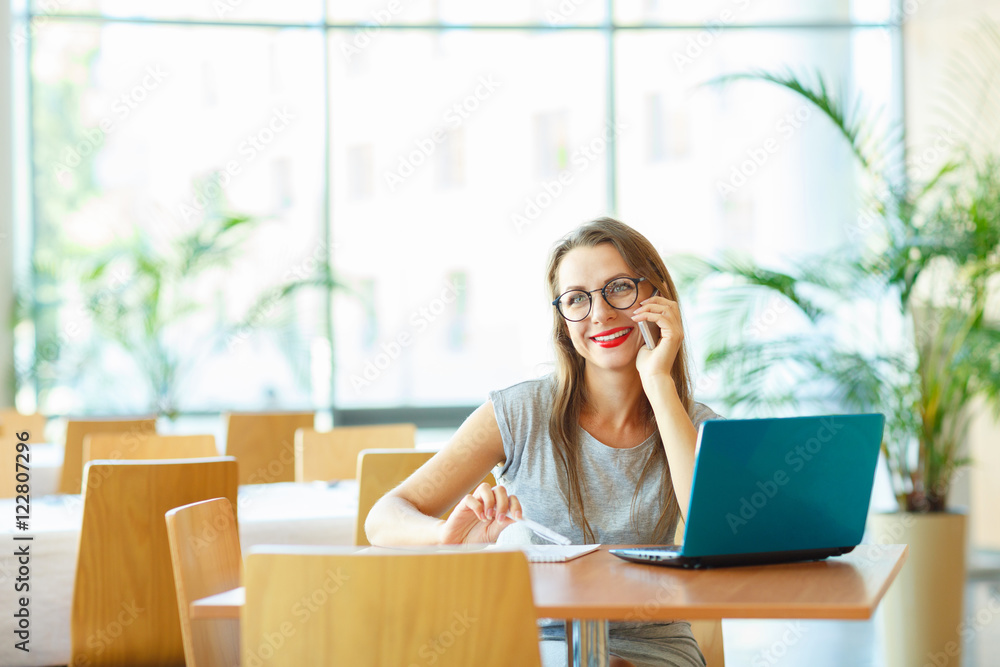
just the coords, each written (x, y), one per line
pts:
(597, 588)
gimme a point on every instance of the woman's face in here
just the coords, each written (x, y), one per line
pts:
(607, 337)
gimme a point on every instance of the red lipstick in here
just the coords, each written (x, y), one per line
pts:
(613, 342)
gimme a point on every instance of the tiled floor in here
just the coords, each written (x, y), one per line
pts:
(857, 643)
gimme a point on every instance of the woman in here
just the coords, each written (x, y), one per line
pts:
(600, 451)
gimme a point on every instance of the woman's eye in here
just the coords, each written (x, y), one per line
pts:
(620, 288)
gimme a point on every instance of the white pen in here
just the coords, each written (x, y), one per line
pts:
(542, 531)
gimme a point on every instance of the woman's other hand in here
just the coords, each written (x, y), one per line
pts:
(480, 516)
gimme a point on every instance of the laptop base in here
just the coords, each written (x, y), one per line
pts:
(672, 557)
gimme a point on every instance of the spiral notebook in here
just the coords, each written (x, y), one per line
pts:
(556, 553)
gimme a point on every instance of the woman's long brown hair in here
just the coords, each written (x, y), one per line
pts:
(570, 392)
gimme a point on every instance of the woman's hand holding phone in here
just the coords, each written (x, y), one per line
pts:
(663, 319)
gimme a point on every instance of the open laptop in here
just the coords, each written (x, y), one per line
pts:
(775, 490)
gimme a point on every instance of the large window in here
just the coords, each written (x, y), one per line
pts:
(426, 155)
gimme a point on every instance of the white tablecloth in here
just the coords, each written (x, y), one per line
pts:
(285, 513)
(46, 465)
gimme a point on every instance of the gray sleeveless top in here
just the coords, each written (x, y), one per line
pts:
(608, 476)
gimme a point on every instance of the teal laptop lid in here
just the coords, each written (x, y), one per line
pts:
(783, 484)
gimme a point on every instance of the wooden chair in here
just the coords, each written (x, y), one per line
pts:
(116, 446)
(708, 633)
(124, 609)
(71, 476)
(263, 443)
(334, 454)
(205, 552)
(11, 424)
(387, 610)
(382, 470)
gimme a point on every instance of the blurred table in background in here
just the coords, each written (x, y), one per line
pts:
(282, 513)
(46, 463)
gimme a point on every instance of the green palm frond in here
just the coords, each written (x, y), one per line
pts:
(693, 270)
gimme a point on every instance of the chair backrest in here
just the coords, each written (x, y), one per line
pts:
(334, 454)
(387, 610)
(206, 557)
(120, 446)
(263, 443)
(382, 470)
(71, 476)
(124, 608)
(13, 423)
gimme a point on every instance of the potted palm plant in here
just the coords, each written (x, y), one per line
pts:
(154, 296)
(896, 323)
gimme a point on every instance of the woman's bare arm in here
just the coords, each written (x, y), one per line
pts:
(409, 513)
(677, 431)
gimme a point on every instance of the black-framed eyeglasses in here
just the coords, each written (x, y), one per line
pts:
(619, 293)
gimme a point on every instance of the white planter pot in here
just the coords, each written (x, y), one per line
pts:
(922, 611)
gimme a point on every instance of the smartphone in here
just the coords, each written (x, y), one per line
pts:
(648, 336)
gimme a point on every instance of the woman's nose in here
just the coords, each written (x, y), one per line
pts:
(601, 310)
